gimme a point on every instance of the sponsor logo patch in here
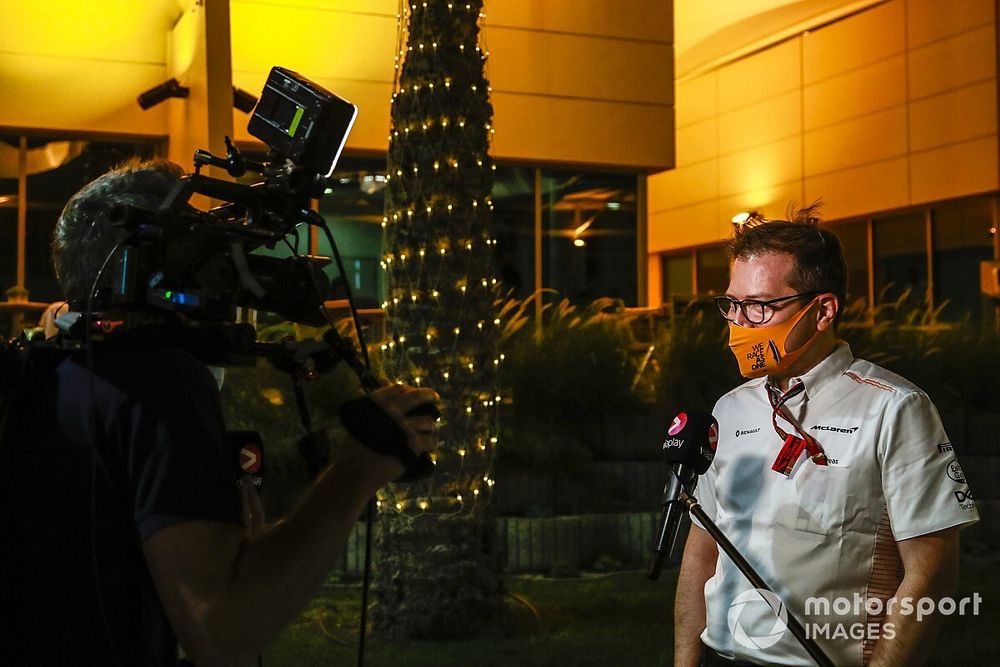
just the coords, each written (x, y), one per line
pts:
(945, 448)
(955, 471)
(964, 498)
(747, 432)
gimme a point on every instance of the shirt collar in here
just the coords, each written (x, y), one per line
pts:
(823, 373)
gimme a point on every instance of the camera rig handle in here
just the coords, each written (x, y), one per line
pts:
(362, 418)
(234, 163)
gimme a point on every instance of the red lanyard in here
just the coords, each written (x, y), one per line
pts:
(794, 444)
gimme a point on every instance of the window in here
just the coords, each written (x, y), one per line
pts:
(588, 230)
(713, 270)
(588, 235)
(962, 237)
(901, 258)
(690, 274)
(54, 169)
(678, 277)
(513, 227)
(854, 241)
(354, 208)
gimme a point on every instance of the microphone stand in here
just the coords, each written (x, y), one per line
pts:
(670, 524)
(809, 644)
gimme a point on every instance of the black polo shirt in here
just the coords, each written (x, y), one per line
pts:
(75, 585)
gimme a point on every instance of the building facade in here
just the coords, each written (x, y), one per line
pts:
(887, 114)
(886, 111)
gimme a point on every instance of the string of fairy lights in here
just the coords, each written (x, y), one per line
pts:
(442, 325)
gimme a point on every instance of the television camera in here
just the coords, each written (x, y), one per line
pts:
(200, 264)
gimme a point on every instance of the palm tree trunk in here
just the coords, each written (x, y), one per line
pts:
(436, 575)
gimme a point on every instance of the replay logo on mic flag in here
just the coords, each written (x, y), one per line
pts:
(248, 451)
(691, 439)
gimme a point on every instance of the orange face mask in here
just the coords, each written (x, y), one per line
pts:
(761, 350)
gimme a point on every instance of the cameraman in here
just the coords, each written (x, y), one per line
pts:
(123, 531)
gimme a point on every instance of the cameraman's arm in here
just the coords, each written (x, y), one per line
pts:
(226, 594)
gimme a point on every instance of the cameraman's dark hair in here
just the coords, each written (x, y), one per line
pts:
(817, 253)
(84, 234)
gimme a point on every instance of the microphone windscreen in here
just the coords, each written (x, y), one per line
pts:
(691, 440)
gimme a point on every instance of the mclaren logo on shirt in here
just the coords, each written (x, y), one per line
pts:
(835, 429)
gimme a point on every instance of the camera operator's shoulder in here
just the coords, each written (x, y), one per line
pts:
(163, 367)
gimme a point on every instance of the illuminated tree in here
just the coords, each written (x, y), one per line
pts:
(435, 574)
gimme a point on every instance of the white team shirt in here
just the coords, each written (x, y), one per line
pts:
(825, 531)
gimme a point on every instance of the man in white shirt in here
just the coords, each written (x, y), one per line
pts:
(833, 477)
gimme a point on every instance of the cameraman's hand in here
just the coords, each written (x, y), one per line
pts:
(397, 400)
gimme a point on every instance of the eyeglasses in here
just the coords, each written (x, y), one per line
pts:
(754, 311)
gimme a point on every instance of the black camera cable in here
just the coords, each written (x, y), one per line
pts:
(416, 466)
(368, 383)
(96, 462)
(370, 506)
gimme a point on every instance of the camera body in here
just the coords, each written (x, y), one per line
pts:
(201, 263)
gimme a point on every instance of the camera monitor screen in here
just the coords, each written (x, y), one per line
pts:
(302, 121)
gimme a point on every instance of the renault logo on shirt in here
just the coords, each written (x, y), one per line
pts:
(747, 432)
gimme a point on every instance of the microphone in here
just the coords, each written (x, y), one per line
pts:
(689, 447)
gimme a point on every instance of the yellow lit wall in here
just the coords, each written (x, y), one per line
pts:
(78, 66)
(574, 81)
(892, 107)
(199, 56)
(579, 81)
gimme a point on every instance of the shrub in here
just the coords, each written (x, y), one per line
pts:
(955, 362)
(563, 379)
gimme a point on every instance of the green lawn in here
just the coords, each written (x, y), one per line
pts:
(615, 619)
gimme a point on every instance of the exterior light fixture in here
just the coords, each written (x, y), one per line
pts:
(744, 217)
(156, 94)
(243, 100)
